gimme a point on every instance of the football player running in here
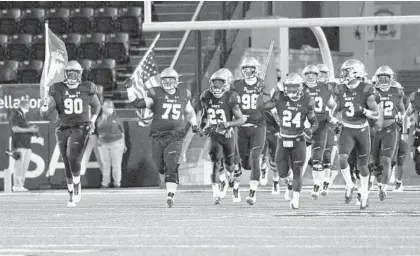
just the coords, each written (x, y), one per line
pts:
(386, 136)
(356, 103)
(221, 112)
(168, 103)
(293, 106)
(72, 99)
(330, 161)
(323, 100)
(400, 152)
(251, 135)
(413, 111)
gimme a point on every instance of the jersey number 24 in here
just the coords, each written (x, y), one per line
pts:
(289, 119)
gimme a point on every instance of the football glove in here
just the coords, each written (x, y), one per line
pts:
(308, 133)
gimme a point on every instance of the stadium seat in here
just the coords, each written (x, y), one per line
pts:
(58, 20)
(48, 4)
(129, 21)
(91, 46)
(8, 72)
(23, 4)
(71, 4)
(30, 72)
(94, 4)
(18, 47)
(87, 67)
(81, 20)
(38, 47)
(116, 47)
(104, 21)
(3, 46)
(9, 21)
(32, 21)
(72, 42)
(103, 73)
(117, 4)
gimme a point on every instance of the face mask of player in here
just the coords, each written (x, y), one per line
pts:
(383, 82)
(323, 77)
(73, 77)
(169, 84)
(292, 91)
(311, 79)
(218, 87)
(249, 74)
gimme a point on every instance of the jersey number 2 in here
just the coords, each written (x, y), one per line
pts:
(73, 106)
(175, 109)
(288, 119)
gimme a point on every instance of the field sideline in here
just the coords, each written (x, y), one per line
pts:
(137, 222)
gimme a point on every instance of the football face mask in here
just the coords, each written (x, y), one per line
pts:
(218, 87)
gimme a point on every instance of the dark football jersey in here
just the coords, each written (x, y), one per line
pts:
(248, 98)
(292, 113)
(73, 104)
(415, 103)
(347, 99)
(321, 94)
(168, 109)
(389, 101)
(219, 109)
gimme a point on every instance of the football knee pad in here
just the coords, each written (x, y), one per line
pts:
(316, 165)
(326, 166)
(273, 165)
(363, 160)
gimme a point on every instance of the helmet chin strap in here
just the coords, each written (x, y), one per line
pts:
(251, 81)
(72, 86)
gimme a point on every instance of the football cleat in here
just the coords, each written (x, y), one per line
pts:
(398, 187)
(236, 196)
(364, 203)
(77, 195)
(348, 195)
(216, 200)
(276, 188)
(382, 194)
(315, 192)
(288, 194)
(294, 203)
(231, 179)
(263, 177)
(252, 197)
(71, 202)
(223, 188)
(170, 200)
(392, 178)
(325, 189)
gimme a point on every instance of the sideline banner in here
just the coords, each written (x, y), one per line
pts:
(11, 95)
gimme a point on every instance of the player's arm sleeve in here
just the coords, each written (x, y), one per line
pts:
(189, 110)
(203, 121)
(311, 115)
(372, 111)
(239, 118)
(400, 106)
(95, 105)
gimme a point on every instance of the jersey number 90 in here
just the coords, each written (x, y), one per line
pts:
(73, 106)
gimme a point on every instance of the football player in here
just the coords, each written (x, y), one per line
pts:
(385, 141)
(400, 152)
(324, 101)
(330, 159)
(221, 112)
(413, 111)
(294, 107)
(251, 135)
(356, 102)
(168, 103)
(71, 99)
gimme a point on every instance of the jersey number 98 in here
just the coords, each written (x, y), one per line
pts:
(249, 101)
(73, 106)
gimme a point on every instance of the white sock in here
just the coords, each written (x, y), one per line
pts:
(70, 187)
(215, 188)
(264, 166)
(318, 177)
(347, 177)
(384, 187)
(253, 185)
(276, 178)
(76, 180)
(398, 181)
(171, 187)
(327, 175)
(222, 177)
(364, 185)
(296, 195)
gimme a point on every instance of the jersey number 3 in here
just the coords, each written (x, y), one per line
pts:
(173, 109)
(73, 106)
(289, 119)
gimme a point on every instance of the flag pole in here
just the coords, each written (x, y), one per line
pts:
(143, 59)
(47, 55)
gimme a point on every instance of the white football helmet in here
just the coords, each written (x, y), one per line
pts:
(220, 82)
(169, 79)
(350, 70)
(293, 86)
(384, 77)
(73, 73)
(310, 74)
(324, 73)
(249, 67)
